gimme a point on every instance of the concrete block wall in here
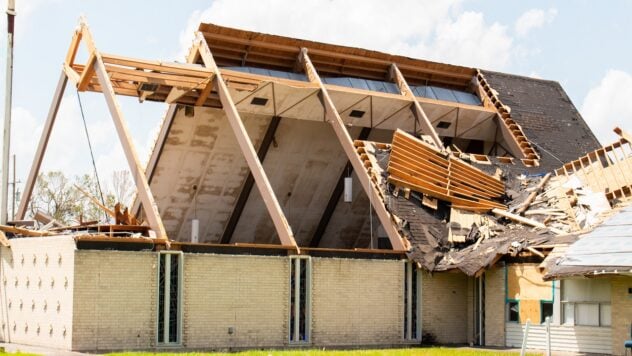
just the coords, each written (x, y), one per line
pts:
(444, 307)
(115, 300)
(36, 291)
(621, 304)
(495, 306)
(249, 294)
(357, 302)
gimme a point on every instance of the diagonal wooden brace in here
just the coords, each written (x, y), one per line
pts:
(333, 117)
(418, 111)
(261, 179)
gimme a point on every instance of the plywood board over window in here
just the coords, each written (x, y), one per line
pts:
(525, 284)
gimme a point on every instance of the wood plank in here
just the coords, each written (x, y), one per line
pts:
(24, 232)
(88, 72)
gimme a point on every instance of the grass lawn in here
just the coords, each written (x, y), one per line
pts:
(431, 351)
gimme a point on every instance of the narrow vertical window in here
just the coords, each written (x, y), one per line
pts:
(169, 271)
(412, 331)
(300, 297)
(479, 307)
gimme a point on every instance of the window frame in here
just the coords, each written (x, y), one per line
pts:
(542, 317)
(599, 313)
(407, 335)
(508, 308)
(295, 260)
(180, 304)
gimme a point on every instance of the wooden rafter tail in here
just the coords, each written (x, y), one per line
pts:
(624, 135)
(333, 117)
(510, 130)
(245, 144)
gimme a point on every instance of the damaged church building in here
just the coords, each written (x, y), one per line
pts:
(303, 194)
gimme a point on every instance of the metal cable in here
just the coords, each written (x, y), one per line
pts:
(94, 165)
(550, 154)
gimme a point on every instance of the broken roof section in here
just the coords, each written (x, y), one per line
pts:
(252, 110)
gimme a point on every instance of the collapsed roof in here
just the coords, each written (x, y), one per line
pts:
(437, 148)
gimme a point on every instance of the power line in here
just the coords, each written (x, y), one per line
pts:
(94, 165)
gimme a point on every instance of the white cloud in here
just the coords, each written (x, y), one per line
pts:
(608, 105)
(67, 149)
(532, 19)
(437, 30)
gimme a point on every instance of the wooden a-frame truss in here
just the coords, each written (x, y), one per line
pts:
(197, 85)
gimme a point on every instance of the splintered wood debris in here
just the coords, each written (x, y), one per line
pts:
(456, 217)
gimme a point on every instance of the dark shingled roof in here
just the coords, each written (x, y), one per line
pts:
(547, 116)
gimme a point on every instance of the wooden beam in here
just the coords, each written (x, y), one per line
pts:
(333, 117)
(626, 136)
(74, 47)
(71, 73)
(146, 197)
(249, 182)
(245, 144)
(418, 111)
(41, 147)
(4, 241)
(86, 75)
(23, 231)
(334, 198)
(525, 221)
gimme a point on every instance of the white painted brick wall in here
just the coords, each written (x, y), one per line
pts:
(36, 284)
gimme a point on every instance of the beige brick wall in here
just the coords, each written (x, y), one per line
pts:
(36, 287)
(471, 282)
(495, 307)
(115, 300)
(445, 306)
(357, 302)
(621, 312)
(247, 293)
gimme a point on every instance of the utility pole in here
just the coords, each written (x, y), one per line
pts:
(15, 183)
(7, 114)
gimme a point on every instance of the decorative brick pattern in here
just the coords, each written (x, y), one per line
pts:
(36, 280)
(357, 302)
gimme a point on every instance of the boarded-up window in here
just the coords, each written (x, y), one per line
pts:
(526, 287)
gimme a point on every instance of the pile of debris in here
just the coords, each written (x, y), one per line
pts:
(121, 224)
(457, 216)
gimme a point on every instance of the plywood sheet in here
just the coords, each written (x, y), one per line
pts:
(524, 282)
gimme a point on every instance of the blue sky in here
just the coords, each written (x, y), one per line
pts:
(580, 44)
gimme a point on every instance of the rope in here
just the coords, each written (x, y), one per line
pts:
(94, 165)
